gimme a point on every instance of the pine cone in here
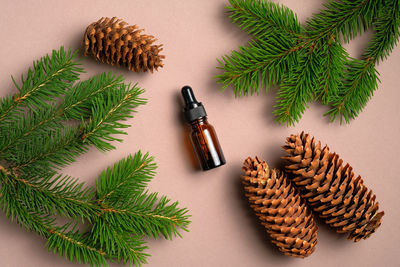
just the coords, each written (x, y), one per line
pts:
(278, 205)
(331, 189)
(112, 42)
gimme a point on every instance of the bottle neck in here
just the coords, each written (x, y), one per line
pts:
(199, 121)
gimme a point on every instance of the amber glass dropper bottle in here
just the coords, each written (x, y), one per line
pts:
(203, 136)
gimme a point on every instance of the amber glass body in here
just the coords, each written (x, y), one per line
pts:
(206, 145)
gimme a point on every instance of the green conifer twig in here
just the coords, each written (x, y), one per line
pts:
(279, 43)
(48, 79)
(76, 105)
(43, 140)
(361, 77)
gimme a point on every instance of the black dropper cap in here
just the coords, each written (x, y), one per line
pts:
(193, 110)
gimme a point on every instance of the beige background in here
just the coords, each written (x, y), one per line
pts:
(223, 231)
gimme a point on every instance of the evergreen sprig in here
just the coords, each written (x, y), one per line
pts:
(45, 127)
(48, 79)
(294, 93)
(61, 195)
(360, 76)
(308, 61)
(145, 213)
(261, 63)
(127, 177)
(108, 113)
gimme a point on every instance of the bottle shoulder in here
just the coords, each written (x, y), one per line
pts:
(201, 125)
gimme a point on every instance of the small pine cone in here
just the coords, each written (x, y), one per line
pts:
(331, 189)
(111, 41)
(278, 205)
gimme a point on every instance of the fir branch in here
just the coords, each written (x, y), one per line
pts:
(263, 62)
(260, 64)
(68, 243)
(30, 124)
(48, 79)
(108, 112)
(78, 101)
(73, 245)
(265, 20)
(14, 209)
(358, 85)
(343, 18)
(149, 215)
(333, 59)
(362, 78)
(77, 105)
(294, 93)
(126, 178)
(387, 32)
(118, 244)
(41, 137)
(52, 152)
(58, 194)
(120, 194)
(274, 56)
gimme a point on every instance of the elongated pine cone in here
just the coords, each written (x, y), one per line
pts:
(331, 189)
(278, 205)
(111, 41)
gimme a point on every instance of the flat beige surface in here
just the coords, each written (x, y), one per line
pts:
(223, 231)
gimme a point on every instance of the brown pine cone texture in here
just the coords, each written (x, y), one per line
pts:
(111, 41)
(278, 205)
(331, 188)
